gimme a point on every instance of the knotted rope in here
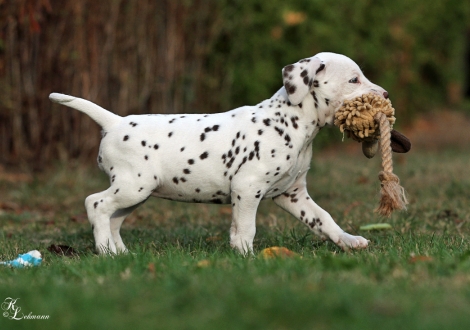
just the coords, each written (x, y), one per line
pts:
(392, 194)
(366, 119)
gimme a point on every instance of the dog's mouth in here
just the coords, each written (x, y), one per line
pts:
(357, 117)
(399, 142)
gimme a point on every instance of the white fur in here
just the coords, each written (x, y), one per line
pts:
(240, 157)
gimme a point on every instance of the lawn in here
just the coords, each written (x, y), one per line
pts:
(182, 274)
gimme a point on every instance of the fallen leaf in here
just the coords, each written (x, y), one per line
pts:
(203, 263)
(213, 238)
(151, 268)
(376, 226)
(416, 259)
(276, 251)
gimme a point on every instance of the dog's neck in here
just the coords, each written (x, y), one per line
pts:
(315, 108)
(313, 113)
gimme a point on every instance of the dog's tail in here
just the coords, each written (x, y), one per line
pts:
(103, 117)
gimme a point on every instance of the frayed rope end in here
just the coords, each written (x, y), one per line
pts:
(392, 195)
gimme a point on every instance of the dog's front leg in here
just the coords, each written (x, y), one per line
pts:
(297, 202)
(243, 228)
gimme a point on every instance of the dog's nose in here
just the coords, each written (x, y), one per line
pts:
(386, 95)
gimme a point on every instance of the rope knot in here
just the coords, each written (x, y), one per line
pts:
(388, 177)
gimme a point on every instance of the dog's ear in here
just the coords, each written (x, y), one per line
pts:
(399, 142)
(298, 78)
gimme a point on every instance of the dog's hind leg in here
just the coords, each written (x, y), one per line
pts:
(99, 208)
(116, 221)
(108, 209)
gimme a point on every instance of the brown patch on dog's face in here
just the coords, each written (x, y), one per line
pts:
(399, 142)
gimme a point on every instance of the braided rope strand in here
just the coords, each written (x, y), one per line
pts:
(392, 195)
(385, 145)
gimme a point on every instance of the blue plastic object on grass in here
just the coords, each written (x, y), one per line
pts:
(31, 258)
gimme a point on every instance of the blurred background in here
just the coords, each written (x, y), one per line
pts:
(203, 56)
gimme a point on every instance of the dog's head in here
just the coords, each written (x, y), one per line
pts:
(331, 79)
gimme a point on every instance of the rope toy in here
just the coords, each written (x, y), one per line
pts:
(367, 119)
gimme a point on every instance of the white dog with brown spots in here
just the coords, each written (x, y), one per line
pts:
(239, 157)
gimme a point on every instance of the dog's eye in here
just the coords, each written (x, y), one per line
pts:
(354, 80)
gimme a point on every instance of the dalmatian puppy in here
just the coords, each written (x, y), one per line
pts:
(237, 157)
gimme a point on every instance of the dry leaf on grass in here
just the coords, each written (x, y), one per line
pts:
(151, 267)
(276, 252)
(213, 238)
(415, 259)
(203, 263)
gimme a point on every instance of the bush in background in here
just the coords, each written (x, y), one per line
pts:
(414, 49)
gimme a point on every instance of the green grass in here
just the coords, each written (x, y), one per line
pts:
(416, 276)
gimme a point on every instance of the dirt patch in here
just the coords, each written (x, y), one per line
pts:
(439, 130)
(14, 175)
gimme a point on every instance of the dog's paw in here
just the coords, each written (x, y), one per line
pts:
(347, 241)
(244, 247)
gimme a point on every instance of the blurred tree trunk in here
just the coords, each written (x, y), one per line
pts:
(128, 56)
